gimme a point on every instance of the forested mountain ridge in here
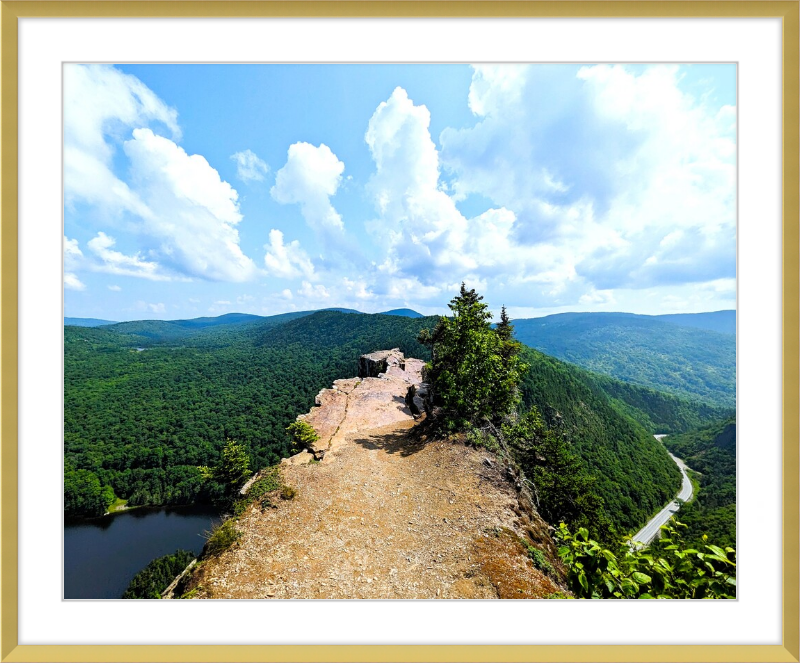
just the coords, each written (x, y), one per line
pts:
(142, 414)
(86, 322)
(686, 361)
(163, 330)
(142, 421)
(634, 476)
(711, 452)
(723, 322)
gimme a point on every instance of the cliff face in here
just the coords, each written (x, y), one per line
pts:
(386, 513)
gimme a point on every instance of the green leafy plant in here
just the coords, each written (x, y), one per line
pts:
(479, 437)
(270, 481)
(667, 569)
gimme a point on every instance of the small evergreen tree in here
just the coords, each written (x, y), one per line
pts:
(505, 330)
(506, 393)
(474, 370)
(233, 469)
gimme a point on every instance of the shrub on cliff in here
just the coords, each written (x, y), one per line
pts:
(233, 469)
(474, 369)
(303, 435)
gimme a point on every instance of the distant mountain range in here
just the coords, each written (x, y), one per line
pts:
(86, 322)
(691, 355)
(723, 322)
(404, 312)
(679, 354)
(232, 318)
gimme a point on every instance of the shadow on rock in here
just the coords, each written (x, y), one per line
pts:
(398, 442)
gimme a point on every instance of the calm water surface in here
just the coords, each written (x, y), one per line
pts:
(101, 556)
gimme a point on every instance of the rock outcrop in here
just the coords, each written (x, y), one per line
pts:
(387, 513)
(375, 363)
(375, 398)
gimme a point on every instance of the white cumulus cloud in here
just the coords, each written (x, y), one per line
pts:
(286, 261)
(175, 205)
(102, 103)
(617, 179)
(431, 242)
(313, 293)
(72, 261)
(194, 212)
(310, 178)
(72, 282)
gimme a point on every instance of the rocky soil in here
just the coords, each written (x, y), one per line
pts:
(387, 513)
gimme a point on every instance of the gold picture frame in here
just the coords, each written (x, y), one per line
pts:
(12, 10)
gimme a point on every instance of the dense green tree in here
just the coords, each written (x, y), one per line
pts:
(303, 435)
(232, 470)
(154, 578)
(84, 495)
(504, 329)
(562, 489)
(474, 370)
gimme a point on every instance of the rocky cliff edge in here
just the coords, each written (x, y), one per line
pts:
(382, 511)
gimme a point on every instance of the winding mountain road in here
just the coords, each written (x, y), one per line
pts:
(645, 535)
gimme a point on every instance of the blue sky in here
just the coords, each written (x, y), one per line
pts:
(195, 190)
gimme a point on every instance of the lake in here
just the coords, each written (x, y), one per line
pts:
(102, 555)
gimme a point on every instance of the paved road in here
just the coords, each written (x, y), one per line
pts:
(649, 531)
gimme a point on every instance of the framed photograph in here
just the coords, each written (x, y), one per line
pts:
(401, 302)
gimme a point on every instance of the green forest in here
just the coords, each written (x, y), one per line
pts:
(142, 420)
(148, 402)
(663, 354)
(711, 452)
(154, 578)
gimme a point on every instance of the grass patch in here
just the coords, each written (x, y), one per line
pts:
(538, 558)
(258, 492)
(221, 537)
(117, 505)
(288, 493)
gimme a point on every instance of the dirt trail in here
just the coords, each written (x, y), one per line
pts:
(386, 514)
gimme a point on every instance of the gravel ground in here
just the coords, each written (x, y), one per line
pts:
(387, 514)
